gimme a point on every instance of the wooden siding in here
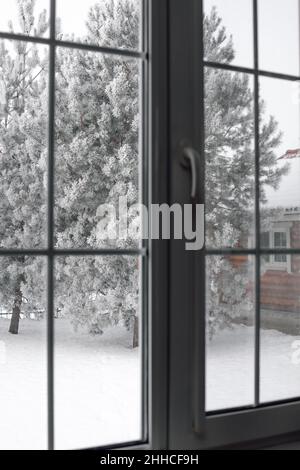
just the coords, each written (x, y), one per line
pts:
(280, 291)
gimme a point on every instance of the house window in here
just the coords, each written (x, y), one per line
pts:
(280, 241)
(276, 239)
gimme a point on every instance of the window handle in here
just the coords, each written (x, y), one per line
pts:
(191, 160)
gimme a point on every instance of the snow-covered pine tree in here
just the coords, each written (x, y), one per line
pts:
(22, 151)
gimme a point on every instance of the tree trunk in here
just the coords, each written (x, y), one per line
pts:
(135, 343)
(15, 318)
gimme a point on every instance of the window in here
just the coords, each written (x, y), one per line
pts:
(117, 341)
(280, 241)
(73, 305)
(243, 173)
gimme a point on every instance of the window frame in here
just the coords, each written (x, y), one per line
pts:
(175, 326)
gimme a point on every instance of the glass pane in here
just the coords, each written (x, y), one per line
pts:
(280, 332)
(98, 396)
(280, 240)
(280, 159)
(230, 332)
(229, 153)
(280, 258)
(279, 36)
(23, 354)
(97, 151)
(228, 32)
(23, 144)
(25, 17)
(106, 23)
(265, 243)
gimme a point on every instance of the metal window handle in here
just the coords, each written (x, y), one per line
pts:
(191, 160)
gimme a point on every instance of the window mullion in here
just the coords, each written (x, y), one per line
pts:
(51, 169)
(257, 203)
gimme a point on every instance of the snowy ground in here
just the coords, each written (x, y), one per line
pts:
(97, 391)
(230, 368)
(97, 379)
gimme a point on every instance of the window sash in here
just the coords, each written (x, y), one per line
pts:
(190, 427)
(51, 252)
(260, 251)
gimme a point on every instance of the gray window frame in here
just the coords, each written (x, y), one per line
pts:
(174, 323)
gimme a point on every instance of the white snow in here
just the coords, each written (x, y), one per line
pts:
(230, 368)
(98, 393)
(97, 387)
